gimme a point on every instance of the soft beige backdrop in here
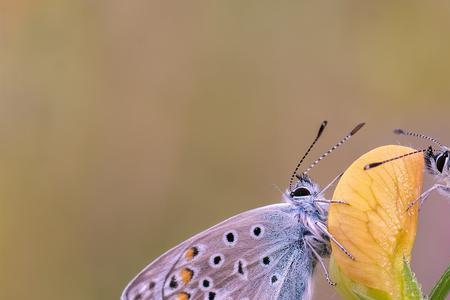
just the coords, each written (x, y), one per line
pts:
(128, 126)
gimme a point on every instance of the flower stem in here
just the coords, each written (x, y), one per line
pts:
(442, 288)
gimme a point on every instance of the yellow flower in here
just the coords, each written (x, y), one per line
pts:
(376, 227)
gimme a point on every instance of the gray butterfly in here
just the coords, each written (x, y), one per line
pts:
(265, 253)
(437, 164)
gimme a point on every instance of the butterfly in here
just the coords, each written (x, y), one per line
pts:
(436, 162)
(265, 253)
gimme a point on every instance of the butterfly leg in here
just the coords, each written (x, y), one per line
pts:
(331, 183)
(331, 201)
(424, 196)
(444, 189)
(323, 228)
(325, 271)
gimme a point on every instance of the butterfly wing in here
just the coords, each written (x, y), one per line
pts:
(258, 254)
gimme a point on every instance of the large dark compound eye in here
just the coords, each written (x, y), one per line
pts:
(441, 160)
(301, 192)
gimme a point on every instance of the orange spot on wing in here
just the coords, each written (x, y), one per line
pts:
(191, 253)
(186, 275)
(183, 296)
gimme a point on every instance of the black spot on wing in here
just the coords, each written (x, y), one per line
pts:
(211, 295)
(257, 231)
(206, 283)
(240, 268)
(173, 283)
(274, 279)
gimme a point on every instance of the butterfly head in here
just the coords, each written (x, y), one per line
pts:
(305, 190)
(438, 163)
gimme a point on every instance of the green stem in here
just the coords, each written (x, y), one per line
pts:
(442, 288)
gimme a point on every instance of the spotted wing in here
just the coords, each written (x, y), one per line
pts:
(258, 254)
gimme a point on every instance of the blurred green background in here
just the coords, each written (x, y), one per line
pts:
(128, 126)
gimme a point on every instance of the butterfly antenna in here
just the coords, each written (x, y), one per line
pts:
(319, 133)
(376, 164)
(418, 135)
(340, 143)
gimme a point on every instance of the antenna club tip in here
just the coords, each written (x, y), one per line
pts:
(372, 165)
(399, 131)
(322, 128)
(357, 128)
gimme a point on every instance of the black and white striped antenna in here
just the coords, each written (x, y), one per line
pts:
(379, 163)
(418, 135)
(340, 143)
(319, 133)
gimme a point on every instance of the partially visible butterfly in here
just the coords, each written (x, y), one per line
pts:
(265, 253)
(436, 162)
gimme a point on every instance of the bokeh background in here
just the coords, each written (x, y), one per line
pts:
(128, 126)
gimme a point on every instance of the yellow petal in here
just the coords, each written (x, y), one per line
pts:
(376, 228)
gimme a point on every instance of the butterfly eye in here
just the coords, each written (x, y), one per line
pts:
(440, 161)
(301, 192)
